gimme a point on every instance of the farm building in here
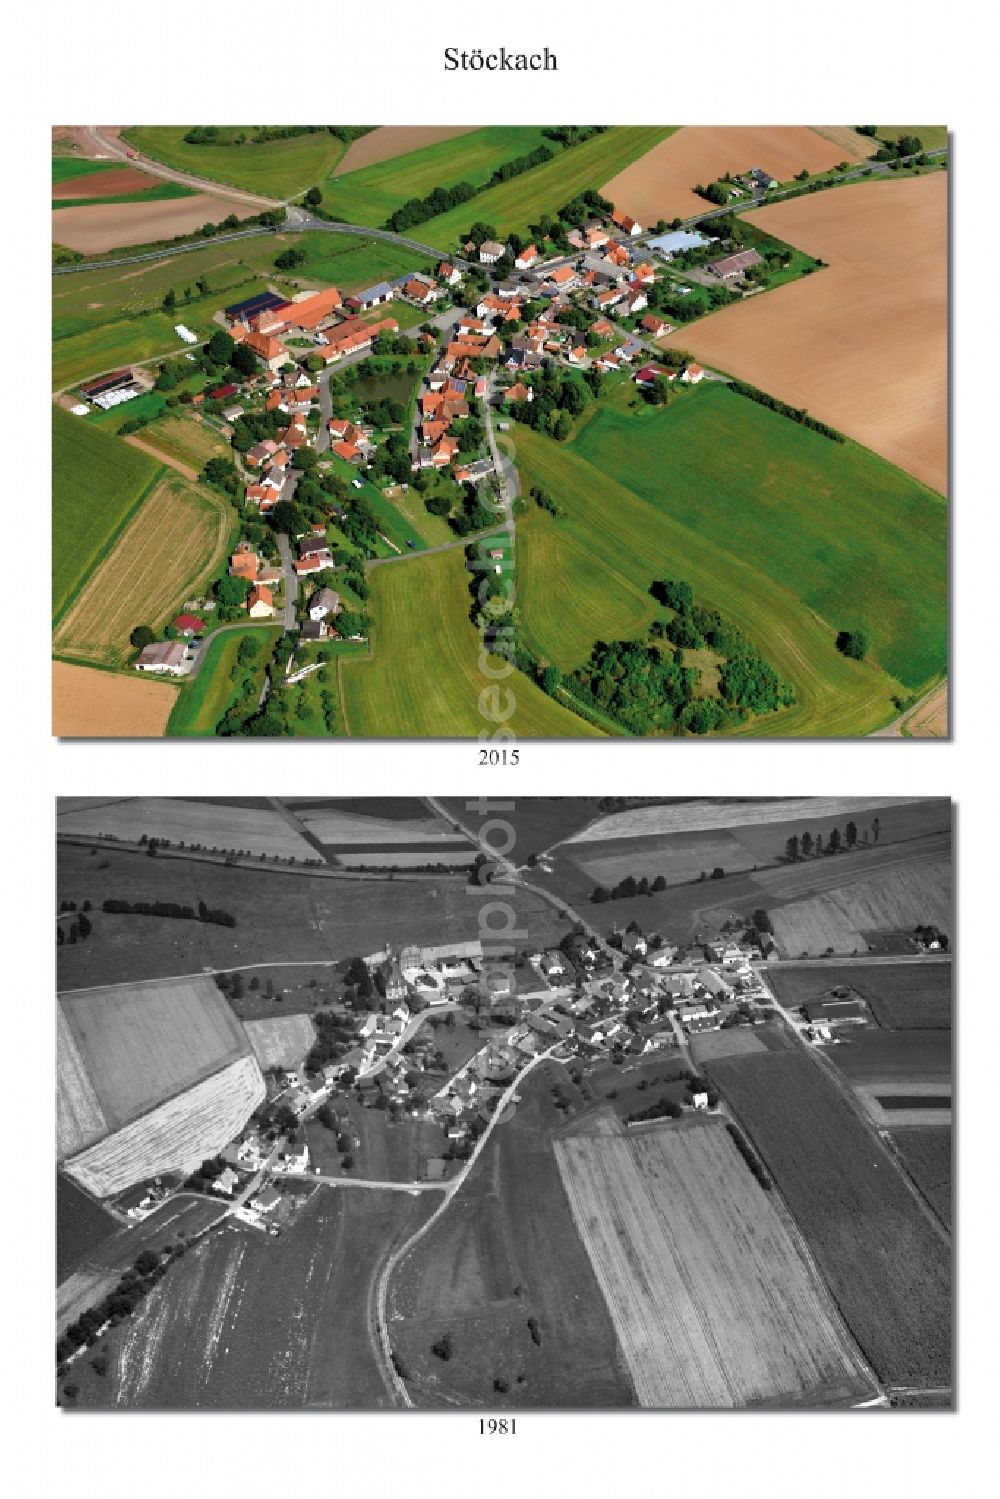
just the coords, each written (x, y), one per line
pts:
(715, 984)
(731, 266)
(373, 296)
(835, 1011)
(161, 656)
(189, 624)
(251, 309)
(677, 242)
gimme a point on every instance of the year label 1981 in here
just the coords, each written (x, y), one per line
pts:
(497, 1426)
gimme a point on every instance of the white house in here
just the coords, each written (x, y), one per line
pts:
(490, 252)
(692, 374)
(295, 1157)
(700, 1100)
(162, 657)
(527, 258)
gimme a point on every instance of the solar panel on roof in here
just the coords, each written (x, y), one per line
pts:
(263, 302)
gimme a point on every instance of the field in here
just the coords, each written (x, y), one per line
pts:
(886, 1265)
(277, 169)
(886, 288)
(176, 1135)
(722, 466)
(79, 1115)
(253, 830)
(97, 485)
(538, 822)
(110, 226)
(507, 1250)
(339, 826)
(248, 1322)
(81, 1225)
(281, 917)
(523, 200)
(180, 439)
(896, 1061)
(659, 185)
(386, 141)
(203, 702)
(90, 704)
(905, 895)
(171, 547)
(369, 193)
(902, 996)
(694, 815)
(571, 595)
(714, 1303)
(140, 1044)
(282, 1042)
(386, 1152)
(736, 1041)
(422, 678)
(932, 136)
(927, 1154)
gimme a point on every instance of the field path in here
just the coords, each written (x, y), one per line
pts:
(927, 719)
(182, 468)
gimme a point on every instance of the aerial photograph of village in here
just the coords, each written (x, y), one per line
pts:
(646, 423)
(563, 1103)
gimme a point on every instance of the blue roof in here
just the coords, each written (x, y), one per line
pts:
(379, 290)
(681, 239)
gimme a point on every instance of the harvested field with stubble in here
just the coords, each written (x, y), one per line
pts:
(810, 876)
(660, 184)
(863, 344)
(714, 1303)
(174, 543)
(282, 1042)
(250, 829)
(142, 1043)
(887, 1264)
(92, 704)
(79, 1116)
(341, 825)
(907, 894)
(177, 1135)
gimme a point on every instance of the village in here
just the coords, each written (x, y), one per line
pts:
(438, 1038)
(494, 320)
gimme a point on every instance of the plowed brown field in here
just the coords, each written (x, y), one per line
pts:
(106, 226)
(387, 141)
(90, 704)
(864, 343)
(105, 184)
(659, 185)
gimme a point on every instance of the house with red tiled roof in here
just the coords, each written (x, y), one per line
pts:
(644, 273)
(353, 335)
(635, 299)
(270, 351)
(655, 325)
(617, 254)
(526, 258)
(255, 493)
(692, 374)
(626, 223)
(564, 277)
(260, 603)
(311, 311)
(244, 563)
(519, 392)
(448, 273)
(444, 451)
(420, 292)
(189, 624)
(602, 328)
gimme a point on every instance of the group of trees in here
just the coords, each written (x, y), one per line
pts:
(79, 928)
(559, 396)
(853, 643)
(628, 887)
(794, 413)
(749, 1155)
(216, 917)
(806, 846)
(149, 1267)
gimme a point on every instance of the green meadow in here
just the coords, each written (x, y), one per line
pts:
(370, 194)
(98, 484)
(276, 169)
(790, 535)
(422, 678)
(202, 703)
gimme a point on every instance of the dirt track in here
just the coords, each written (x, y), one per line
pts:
(90, 704)
(387, 141)
(107, 226)
(174, 463)
(659, 185)
(863, 344)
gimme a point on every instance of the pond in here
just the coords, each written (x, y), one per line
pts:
(394, 385)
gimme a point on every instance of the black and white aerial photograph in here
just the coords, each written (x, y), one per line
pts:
(553, 1103)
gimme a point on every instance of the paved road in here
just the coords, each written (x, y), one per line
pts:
(291, 583)
(866, 958)
(383, 1346)
(106, 139)
(349, 1181)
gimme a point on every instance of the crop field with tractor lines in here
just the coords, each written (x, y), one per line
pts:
(888, 1268)
(249, 829)
(172, 545)
(713, 1301)
(907, 894)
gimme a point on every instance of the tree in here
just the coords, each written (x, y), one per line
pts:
(807, 843)
(142, 636)
(658, 884)
(169, 301)
(851, 834)
(853, 643)
(834, 841)
(792, 848)
(314, 197)
(220, 346)
(442, 1348)
(875, 828)
(243, 360)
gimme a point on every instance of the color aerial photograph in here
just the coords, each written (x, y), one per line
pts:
(647, 424)
(413, 1103)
